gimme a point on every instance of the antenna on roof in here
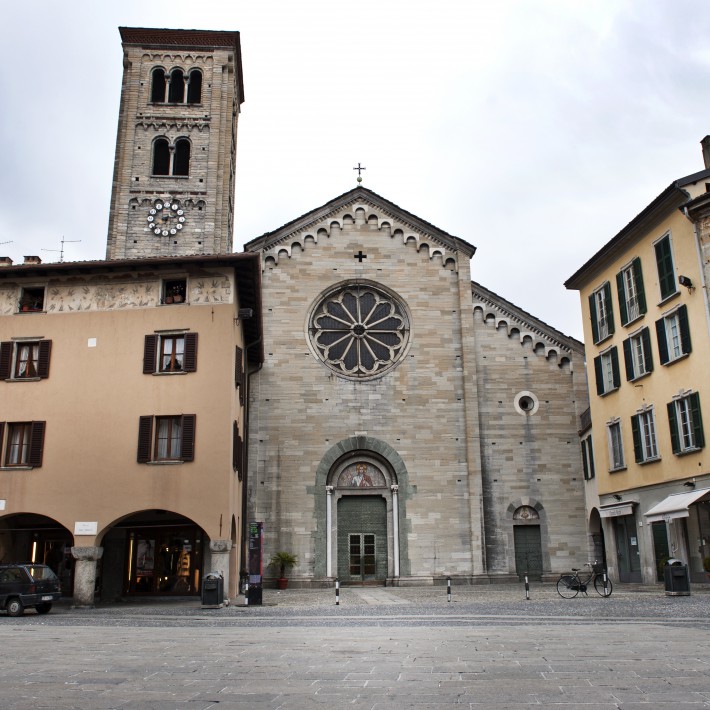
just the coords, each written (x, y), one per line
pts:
(61, 251)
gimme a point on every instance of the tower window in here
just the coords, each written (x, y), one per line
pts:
(194, 87)
(157, 90)
(176, 91)
(181, 162)
(161, 157)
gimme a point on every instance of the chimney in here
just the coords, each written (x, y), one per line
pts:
(5, 261)
(32, 260)
(705, 143)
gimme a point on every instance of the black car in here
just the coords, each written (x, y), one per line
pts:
(27, 585)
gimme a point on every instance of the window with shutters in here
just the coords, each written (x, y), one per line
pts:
(25, 359)
(239, 373)
(666, 268)
(23, 443)
(588, 458)
(686, 423)
(170, 353)
(638, 359)
(601, 313)
(616, 446)
(643, 428)
(606, 370)
(237, 451)
(632, 298)
(673, 332)
(166, 439)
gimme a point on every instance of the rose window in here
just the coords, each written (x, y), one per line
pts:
(360, 331)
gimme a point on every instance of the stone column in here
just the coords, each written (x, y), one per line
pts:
(85, 574)
(395, 528)
(219, 560)
(328, 538)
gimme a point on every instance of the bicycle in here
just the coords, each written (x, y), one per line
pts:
(570, 585)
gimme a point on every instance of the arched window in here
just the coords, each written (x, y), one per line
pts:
(194, 87)
(176, 93)
(157, 91)
(181, 160)
(161, 157)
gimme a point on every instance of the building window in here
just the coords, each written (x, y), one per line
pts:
(161, 157)
(643, 428)
(174, 291)
(237, 451)
(666, 268)
(616, 446)
(181, 160)
(686, 424)
(176, 90)
(194, 87)
(606, 370)
(24, 443)
(169, 353)
(588, 458)
(32, 299)
(638, 359)
(166, 439)
(359, 330)
(25, 360)
(601, 313)
(158, 85)
(632, 298)
(239, 373)
(673, 333)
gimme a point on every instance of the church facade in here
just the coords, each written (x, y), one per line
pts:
(387, 419)
(408, 424)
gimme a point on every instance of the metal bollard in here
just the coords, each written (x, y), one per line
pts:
(606, 585)
(527, 588)
(448, 589)
(337, 592)
(246, 594)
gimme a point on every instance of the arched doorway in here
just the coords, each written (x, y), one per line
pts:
(26, 537)
(362, 510)
(152, 553)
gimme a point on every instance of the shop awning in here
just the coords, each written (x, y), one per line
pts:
(616, 510)
(675, 506)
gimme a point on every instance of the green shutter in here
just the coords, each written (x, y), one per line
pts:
(662, 341)
(698, 435)
(646, 342)
(623, 311)
(636, 433)
(616, 379)
(609, 307)
(598, 374)
(628, 360)
(638, 282)
(664, 261)
(673, 423)
(593, 316)
(590, 451)
(585, 468)
(684, 330)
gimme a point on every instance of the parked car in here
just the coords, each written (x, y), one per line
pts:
(28, 585)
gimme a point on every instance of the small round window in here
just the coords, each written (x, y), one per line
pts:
(526, 403)
(359, 330)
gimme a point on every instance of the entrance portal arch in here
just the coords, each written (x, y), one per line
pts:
(361, 491)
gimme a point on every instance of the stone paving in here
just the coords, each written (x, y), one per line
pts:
(379, 649)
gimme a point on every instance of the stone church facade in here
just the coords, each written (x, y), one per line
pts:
(408, 424)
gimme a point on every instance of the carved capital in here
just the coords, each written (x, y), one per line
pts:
(220, 545)
(87, 553)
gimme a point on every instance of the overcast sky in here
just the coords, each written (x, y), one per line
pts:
(532, 129)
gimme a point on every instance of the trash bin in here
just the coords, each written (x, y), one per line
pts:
(213, 590)
(254, 594)
(676, 578)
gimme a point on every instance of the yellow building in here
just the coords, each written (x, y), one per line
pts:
(647, 335)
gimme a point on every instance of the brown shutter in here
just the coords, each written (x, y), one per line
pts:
(187, 451)
(2, 431)
(145, 435)
(190, 364)
(6, 360)
(150, 354)
(36, 443)
(45, 350)
(235, 453)
(239, 373)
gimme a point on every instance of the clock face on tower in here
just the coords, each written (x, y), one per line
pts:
(166, 218)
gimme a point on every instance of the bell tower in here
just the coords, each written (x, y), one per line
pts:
(176, 147)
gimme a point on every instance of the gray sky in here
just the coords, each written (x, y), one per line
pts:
(534, 129)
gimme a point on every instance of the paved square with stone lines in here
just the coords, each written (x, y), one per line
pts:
(380, 649)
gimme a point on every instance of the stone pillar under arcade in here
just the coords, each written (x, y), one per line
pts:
(85, 574)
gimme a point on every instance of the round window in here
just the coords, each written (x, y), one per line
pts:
(526, 403)
(359, 331)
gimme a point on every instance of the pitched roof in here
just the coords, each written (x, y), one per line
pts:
(267, 240)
